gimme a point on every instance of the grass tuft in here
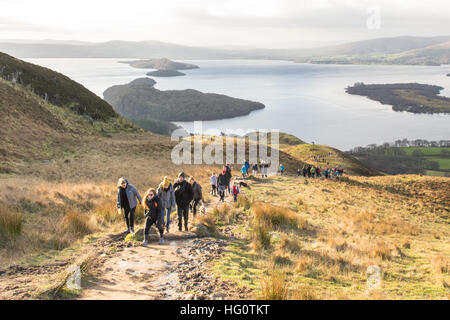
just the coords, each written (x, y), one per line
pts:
(11, 224)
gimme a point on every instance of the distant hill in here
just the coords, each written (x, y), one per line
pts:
(54, 87)
(160, 64)
(112, 49)
(432, 55)
(140, 100)
(379, 46)
(373, 51)
(396, 50)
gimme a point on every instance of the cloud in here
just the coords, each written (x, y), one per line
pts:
(213, 22)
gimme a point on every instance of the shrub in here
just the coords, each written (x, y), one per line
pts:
(290, 245)
(107, 213)
(206, 227)
(243, 202)
(276, 217)
(10, 224)
(260, 235)
(274, 288)
(224, 214)
(303, 292)
(382, 250)
(76, 223)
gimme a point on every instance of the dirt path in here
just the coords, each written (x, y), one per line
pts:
(139, 273)
(178, 269)
(175, 270)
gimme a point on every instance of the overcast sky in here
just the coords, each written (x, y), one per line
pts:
(255, 23)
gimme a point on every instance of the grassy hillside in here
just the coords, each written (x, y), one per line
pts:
(55, 88)
(324, 156)
(34, 129)
(433, 161)
(317, 239)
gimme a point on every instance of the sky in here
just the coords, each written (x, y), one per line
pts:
(242, 23)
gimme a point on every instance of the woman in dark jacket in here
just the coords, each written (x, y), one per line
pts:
(183, 197)
(153, 215)
(197, 195)
(126, 200)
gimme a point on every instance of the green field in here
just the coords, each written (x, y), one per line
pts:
(444, 163)
(429, 151)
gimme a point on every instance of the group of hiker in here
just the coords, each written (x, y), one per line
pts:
(184, 194)
(221, 184)
(262, 166)
(313, 171)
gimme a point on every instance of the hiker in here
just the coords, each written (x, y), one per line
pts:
(228, 175)
(247, 165)
(299, 172)
(222, 185)
(153, 215)
(183, 197)
(235, 191)
(244, 171)
(281, 169)
(126, 200)
(255, 169)
(318, 171)
(304, 171)
(166, 195)
(213, 181)
(312, 172)
(266, 168)
(327, 173)
(197, 195)
(261, 168)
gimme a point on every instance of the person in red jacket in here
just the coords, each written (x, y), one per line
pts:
(235, 191)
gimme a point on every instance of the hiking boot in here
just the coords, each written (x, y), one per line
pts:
(167, 229)
(127, 232)
(161, 240)
(132, 230)
(180, 229)
(145, 243)
(186, 228)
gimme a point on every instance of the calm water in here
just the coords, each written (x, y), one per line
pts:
(306, 100)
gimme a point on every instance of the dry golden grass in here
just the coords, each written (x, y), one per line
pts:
(303, 292)
(399, 224)
(243, 202)
(275, 217)
(77, 223)
(224, 214)
(10, 224)
(274, 288)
